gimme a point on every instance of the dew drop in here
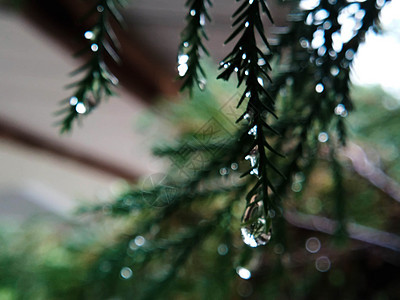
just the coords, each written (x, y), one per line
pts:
(253, 131)
(126, 273)
(321, 51)
(185, 44)
(243, 273)
(89, 35)
(340, 109)
(261, 62)
(100, 8)
(94, 47)
(334, 71)
(255, 235)
(234, 166)
(73, 101)
(327, 25)
(80, 108)
(202, 84)
(202, 20)
(251, 1)
(139, 241)
(192, 12)
(319, 88)
(226, 66)
(183, 59)
(236, 69)
(246, 72)
(182, 69)
(244, 56)
(223, 171)
(248, 94)
(323, 137)
(254, 230)
(260, 81)
(304, 43)
(246, 24)
(349, 54)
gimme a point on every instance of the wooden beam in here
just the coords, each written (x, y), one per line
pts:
(29, 138)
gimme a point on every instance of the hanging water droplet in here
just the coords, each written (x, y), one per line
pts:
(243, 273)
(73, 101)
(139, 241)
(183, 58)
(223, 171)
(327, 25)
(236, 69)
(202, 84)
(253, 131)
(246, 72)
(260, 81)
(244, 56)
(246, 24)
(94, 47)
(80, 108)
(334, 71)
(253, 158)
(251, 1)
(304, 43)
(182, 69)
(226, 66)
(319, 88)
(192, 12)
(340, 109)
(100, 8)
(234, 166)
(261, 62)
(255, 230)
(89, 35)
(349, 54)
(323, 137)
(126, 273)
(248, 94)
(202, 20)
(185, 44)
(321, 51)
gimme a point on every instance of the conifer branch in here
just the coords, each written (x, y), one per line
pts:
(192, 45)
(251, 64)
(97, 82)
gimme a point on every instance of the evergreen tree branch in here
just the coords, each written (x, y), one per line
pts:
(190, 70)
(251, 65)
(97, 82)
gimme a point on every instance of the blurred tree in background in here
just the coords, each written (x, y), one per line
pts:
(290, 196)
